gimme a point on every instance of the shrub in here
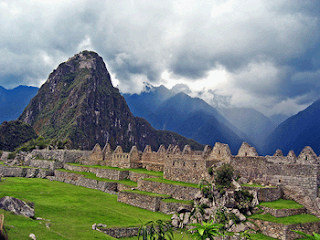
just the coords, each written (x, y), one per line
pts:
(243, 200)
(223, 216)
(11, 155)
(223, 175)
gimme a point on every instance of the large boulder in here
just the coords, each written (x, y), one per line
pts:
(16, 206)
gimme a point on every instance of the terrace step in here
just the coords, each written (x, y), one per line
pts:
(178, 192)
(109, 173)
(284, 232)
(283, 212)
(281, 217)
(146, 200)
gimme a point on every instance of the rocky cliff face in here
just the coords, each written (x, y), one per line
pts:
(79, 103)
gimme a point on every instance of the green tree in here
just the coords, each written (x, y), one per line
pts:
(223, 175)
(206, 230)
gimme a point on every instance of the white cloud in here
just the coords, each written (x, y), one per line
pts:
(251, 52)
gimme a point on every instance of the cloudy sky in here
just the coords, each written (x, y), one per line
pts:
(245, 53)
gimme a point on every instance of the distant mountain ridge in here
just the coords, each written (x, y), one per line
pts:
(298, 131)
(190, 117)
(13, 101)
(78, 103)
(256, 125)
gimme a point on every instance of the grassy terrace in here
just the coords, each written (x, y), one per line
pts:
(282, 204)
(70, 210)
(259, 236)
(172, 200)
(137, 170)
(166, 181)
(148, 193)
(256, 185)
(3, 164)
(93, 176)
(296, 219)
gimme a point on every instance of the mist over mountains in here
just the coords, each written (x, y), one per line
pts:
(75, 105)
(196, 119)
(79, 104)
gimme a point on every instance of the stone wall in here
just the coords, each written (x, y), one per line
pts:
(173, 207)
(79, 180)
(24, 172)
(112, 174)
(281, 231)
(46, 164)
(64, 156)
(175, 191)
(178, 169)
(267, 194)
(304, 177)
(134, 176)
(300, 176)
(78, 168)
(121, 232)
(283, 212)
(139, 200)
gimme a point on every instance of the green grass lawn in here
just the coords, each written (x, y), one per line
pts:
(166, 181)
(172, 200)
(295, 219)
(71, 210)
(137, 170)
(260, 236)
(282, 204)
(148, 193)
(256, 185)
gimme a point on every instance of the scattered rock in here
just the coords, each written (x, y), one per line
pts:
(16, 206)
(175, 223)
(186, 218)
(32, 236)
(101, 225)
(255, 200)
(94, 226)
(183, 210)
(252, 226)
(240, 227)
(236, 185)
(198, 195)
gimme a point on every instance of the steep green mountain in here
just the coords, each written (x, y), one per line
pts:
(15, 133)
(298, 131)
(13, 101)
(78, 103)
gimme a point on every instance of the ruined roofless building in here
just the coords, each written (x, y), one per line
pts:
(298, 176)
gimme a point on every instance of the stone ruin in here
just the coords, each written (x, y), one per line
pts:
(298, 176)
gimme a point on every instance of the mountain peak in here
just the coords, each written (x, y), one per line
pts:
(79, 104)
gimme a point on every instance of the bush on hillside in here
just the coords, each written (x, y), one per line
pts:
(223, 176)
(15, 133)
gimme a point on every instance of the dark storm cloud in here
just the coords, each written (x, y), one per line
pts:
(269, 49)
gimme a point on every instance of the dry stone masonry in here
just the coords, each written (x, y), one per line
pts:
(290, 177)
